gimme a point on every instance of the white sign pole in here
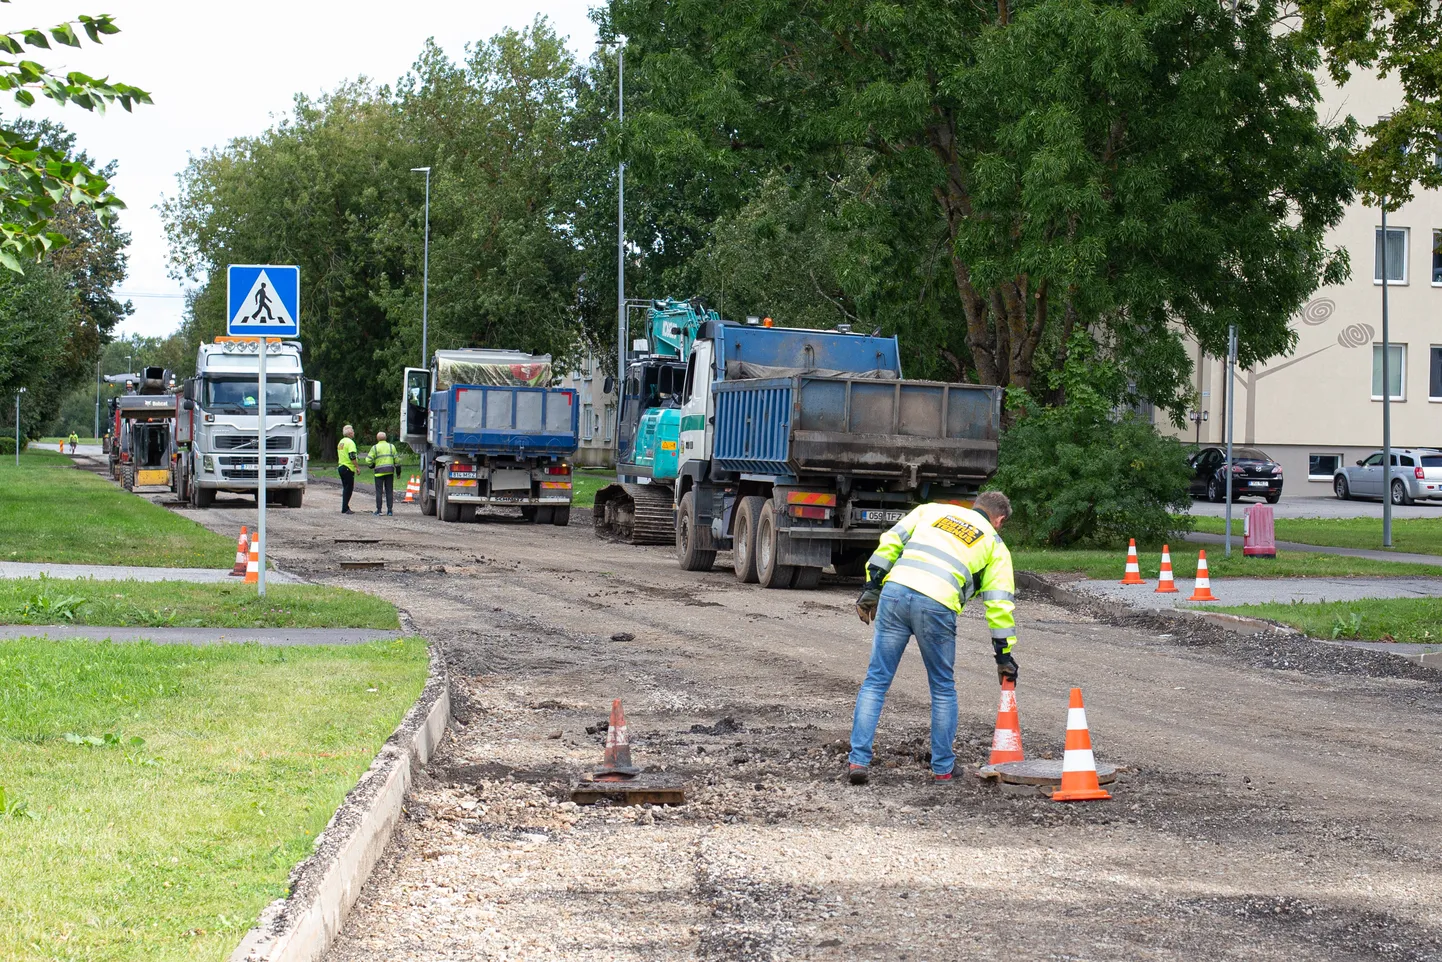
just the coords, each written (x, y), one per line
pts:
(260, 465)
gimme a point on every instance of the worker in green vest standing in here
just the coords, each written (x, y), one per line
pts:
(346, 458)
(74, 440)
(383, 458)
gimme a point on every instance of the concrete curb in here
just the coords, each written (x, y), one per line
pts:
(1061, 595)
(323, 888)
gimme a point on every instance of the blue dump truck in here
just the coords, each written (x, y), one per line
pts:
(491, 431)
(795, 449)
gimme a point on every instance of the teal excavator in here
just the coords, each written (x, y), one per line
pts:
(638, 508)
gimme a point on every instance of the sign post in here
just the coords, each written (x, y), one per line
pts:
(263, 301)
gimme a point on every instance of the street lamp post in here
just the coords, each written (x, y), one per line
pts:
(620, 237)
(17, 425)
(426, 265)
(97, 399)
(1386, 396)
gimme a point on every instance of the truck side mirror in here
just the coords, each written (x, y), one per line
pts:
(315, 395)
(187, 405)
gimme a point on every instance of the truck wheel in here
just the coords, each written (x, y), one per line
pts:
(689, 552)
(544, 516)
(468, 513)
(805, 578)
(428, 497)
(743, 539)
(850, 567)
(561, 517)
(444, 509)
(294, 497)
(128, 481)
(528, 515)
(769, 573)
(204, 497)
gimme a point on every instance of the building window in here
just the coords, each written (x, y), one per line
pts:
(1437, 258)
(586, 422)
(608, 421)
(1396, 371)
(1434, 379)
(1321, 467)
(1396, 256)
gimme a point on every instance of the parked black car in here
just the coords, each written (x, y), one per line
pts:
(1254, 474)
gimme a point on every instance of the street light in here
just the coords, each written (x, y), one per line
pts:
(620, 44)
(426, 264)
(17, 425)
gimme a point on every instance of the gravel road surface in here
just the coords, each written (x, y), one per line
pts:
(1280, 798)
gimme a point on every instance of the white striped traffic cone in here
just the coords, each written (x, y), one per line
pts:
(1166, 583)
(252, 566)
(413, 490)
(1203, 590)
(1079, 766)
(1133, 574)
(242, 552)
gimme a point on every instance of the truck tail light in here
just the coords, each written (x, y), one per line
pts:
(808, 511)
(561, 469)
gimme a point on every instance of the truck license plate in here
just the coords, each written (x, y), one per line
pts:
(880, 517)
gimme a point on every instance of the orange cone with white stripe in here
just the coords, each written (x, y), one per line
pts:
(1203, 590)
(1166, 584)
(1079, 766)
(252, 566)
(242, 551)
(413, 490)
(1134, 570)
(1006, 740)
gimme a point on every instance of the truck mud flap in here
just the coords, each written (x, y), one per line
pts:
(803, 552)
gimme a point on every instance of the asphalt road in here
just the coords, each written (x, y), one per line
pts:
(1280, 800)
(1313, 507)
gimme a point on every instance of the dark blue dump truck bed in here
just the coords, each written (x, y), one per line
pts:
(875, 426)
(505, 420)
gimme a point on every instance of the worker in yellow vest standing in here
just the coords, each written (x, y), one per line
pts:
(345, 453)
(924, 571)
(383, 458)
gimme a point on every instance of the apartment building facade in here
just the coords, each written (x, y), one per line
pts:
(598, 413)
(1321, 406)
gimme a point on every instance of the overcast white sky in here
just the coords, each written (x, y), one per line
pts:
(218, 70)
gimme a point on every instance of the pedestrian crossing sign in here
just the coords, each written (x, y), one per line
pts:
(263, 300)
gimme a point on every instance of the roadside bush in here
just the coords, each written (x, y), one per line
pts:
(1081, 474)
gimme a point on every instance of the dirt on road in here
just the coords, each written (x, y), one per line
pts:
(1280, 799)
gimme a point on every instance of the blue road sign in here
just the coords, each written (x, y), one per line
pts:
(264, 300)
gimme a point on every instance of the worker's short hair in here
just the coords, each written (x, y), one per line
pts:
(380, 435)
(347, 430)
(995, 504)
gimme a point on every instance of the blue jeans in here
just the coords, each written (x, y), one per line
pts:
(904, 613)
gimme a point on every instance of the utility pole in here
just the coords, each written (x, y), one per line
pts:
(1386, 396)
(620, 237)
(97, 399)
(1231, 424)
(426, 268)
(17, 425)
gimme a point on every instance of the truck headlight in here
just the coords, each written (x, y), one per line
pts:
(208, 463)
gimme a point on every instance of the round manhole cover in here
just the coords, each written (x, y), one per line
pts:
(1043, 771)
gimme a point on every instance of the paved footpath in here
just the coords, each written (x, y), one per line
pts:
(203, 636)
(1375, 554)
(18, 569)
(1255, 591)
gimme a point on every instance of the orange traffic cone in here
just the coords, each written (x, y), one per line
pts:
(1166, 584)
(242, 552)
(1134, 570)
(1006, 740)
(616, 763)
(413, 488)
(252, 566)
(1079, 766)
(1203, 590)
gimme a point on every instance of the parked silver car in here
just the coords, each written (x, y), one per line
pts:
(1416, 476)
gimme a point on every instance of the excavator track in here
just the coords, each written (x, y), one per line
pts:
(635, 514)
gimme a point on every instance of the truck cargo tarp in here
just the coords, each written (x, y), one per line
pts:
(493, 368)
(741, 370)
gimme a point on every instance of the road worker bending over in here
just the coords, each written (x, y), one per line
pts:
(925, 570)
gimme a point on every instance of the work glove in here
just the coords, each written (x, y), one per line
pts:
(867, 602)
(1006, 666)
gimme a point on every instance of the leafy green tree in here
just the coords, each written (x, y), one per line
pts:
(1391, 37)
(37, 178)
(1130, 169)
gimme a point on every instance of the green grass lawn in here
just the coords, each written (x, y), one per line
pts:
(216, 768)
(1112, 562)
(1374, 619)
(51, 512)
(1411, 535)
(151, 604)
(585, 482)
